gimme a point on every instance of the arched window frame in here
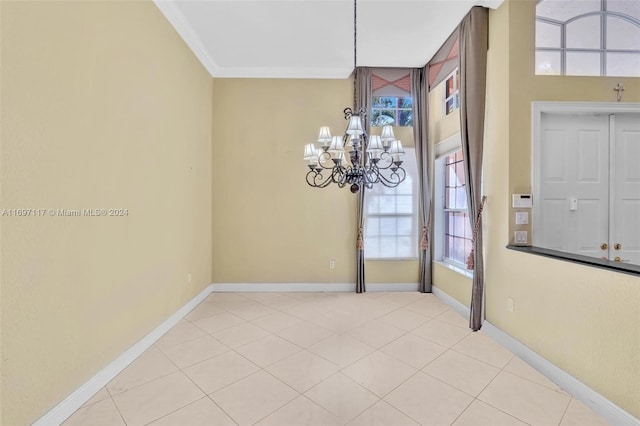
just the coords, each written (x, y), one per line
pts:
(603, 50)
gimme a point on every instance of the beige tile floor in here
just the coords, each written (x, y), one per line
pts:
(329, 359)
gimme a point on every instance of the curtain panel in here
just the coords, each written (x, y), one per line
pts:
(362, 98)
(419, 93)
(473, 32)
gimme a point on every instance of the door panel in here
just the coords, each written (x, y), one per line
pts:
(574, 164)
(625, 190)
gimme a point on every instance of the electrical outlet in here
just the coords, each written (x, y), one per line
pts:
(510, 304)
(332, 264)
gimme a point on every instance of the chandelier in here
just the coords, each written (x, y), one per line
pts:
(355, 159)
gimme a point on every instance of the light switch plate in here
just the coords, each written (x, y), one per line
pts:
(520, 237)
(522, 218)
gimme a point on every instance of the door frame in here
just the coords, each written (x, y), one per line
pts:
(561, 107)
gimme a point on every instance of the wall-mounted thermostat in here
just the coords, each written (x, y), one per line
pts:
(522, 201)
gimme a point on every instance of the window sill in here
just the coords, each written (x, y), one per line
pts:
(625, 268)
(391, 258)
(459, 270)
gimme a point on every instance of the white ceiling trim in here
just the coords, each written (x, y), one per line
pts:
(289, 72)
(179, 22)
(335, 69)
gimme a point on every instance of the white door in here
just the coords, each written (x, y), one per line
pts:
(572, 209)
(625, 188)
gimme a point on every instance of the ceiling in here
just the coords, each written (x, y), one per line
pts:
(312, 38)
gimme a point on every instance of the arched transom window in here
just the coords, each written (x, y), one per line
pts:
(588, 37)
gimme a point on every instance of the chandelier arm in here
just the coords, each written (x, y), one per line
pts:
(387, 161)
(317, 180)
(394, 179)
(326, 157)
(339, 175)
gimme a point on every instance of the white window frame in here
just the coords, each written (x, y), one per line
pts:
(455, 95)
(442, 150)
(603, 13)
(410, 166)
(397, 109)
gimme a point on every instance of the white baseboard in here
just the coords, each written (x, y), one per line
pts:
(388, 287)
(308, 287)
(70, 404)
(598, 403)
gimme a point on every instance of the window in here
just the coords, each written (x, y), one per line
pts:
(452, 92)
(588, 37)
(392, 217)
(392, 110)
(452, 240)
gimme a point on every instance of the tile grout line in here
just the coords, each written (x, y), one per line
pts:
(564, 413)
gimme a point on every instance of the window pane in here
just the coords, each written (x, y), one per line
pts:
(467, 227)
(450, 106)
(450, 198)
(461, 198)
(387, 226)
(385, 102)
(563, 10)
(372, 227)
(449, 86)
(450, 228)
(623, 64)
(404, 247)
(458, 250)
(622, 34)
(547, 35)
(584, 33)
(405, 102)
(406, 118)
(448, 247)
(628, 7)
(406, 187)
(405, 225)
(379, 119)
(404, 204)
(387, 246)
(372, 247)
(583, 63)
(451, 175)
(548, 63)
(459, 219)
(387, 203)
(460, 174)
(467, 250)
(373, 203)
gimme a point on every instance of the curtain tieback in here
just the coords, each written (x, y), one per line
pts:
(424, 242)
(470, 259)
(360, 241)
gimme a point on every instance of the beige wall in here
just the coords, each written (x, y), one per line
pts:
(103, 106)
(441, 127)
(269, 226)
(582, 319)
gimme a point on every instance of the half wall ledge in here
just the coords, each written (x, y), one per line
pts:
(611, 265)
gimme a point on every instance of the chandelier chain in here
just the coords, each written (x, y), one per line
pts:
(355, 47)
